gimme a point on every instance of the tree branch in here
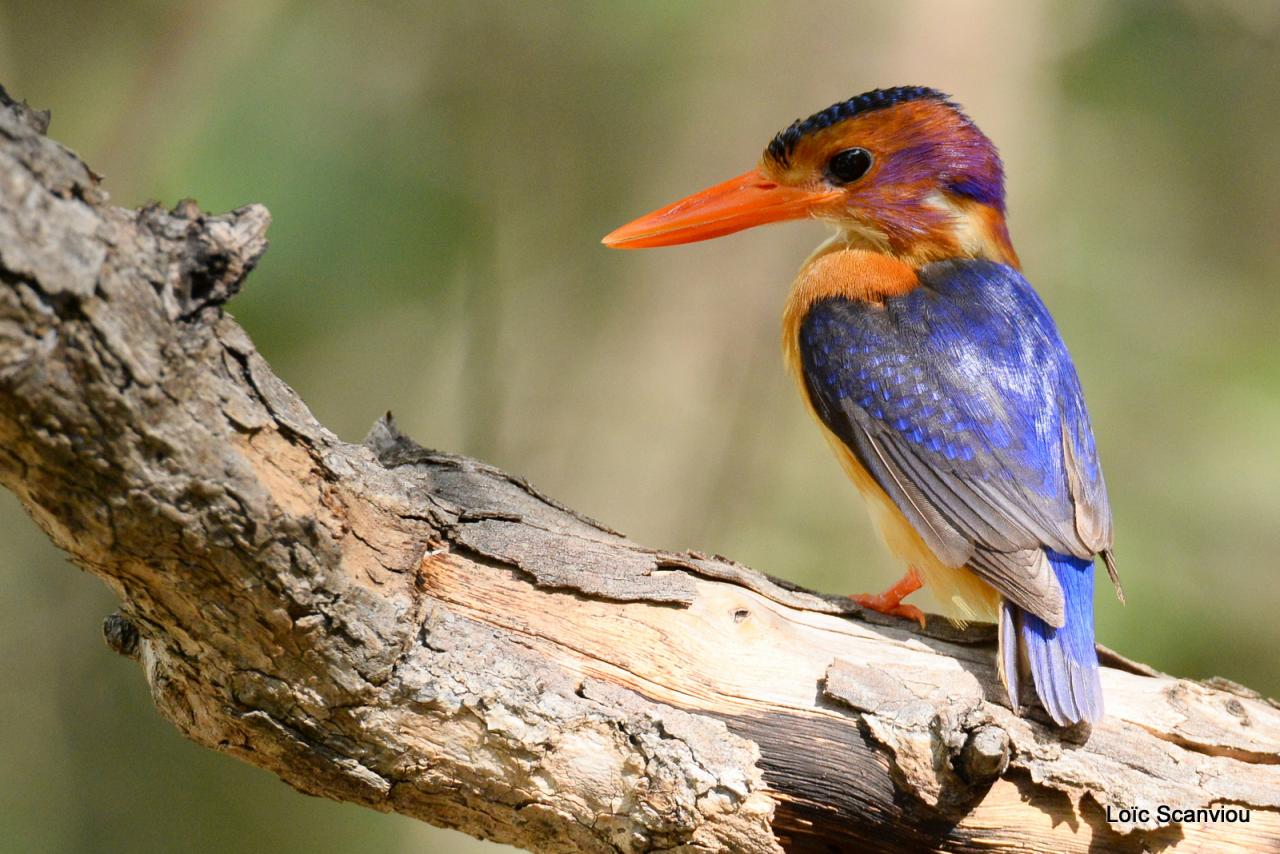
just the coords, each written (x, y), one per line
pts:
(418, 632)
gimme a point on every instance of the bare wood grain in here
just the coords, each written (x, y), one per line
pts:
(421, 633)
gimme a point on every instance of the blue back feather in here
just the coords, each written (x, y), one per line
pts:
(969, 371)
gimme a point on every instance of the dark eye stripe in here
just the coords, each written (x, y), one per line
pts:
(849, 165)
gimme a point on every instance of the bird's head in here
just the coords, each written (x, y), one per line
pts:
(901, 171)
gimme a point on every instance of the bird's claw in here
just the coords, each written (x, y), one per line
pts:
(890, 601)
(882, 604)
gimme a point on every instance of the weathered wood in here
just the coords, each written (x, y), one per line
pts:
(419, 632)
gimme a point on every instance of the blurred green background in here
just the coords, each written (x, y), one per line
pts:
(440, 175)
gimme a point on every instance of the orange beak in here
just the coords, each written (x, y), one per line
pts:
(748, 200)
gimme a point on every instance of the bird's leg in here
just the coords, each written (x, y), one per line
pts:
(890, 601)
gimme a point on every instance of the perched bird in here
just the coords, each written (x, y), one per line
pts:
(936, 372)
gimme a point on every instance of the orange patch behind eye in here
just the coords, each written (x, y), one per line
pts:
(997, 236)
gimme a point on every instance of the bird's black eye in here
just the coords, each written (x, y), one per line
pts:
(849, 165)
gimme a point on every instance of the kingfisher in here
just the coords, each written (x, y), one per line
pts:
(936, 374)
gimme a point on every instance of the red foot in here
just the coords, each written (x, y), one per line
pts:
(890, 601)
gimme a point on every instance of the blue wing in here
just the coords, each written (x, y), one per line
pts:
(960, 398)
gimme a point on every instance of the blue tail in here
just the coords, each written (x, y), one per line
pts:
(1063, 662)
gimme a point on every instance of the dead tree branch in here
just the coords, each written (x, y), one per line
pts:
(418, 632)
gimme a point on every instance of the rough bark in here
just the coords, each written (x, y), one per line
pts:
(419, 632)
